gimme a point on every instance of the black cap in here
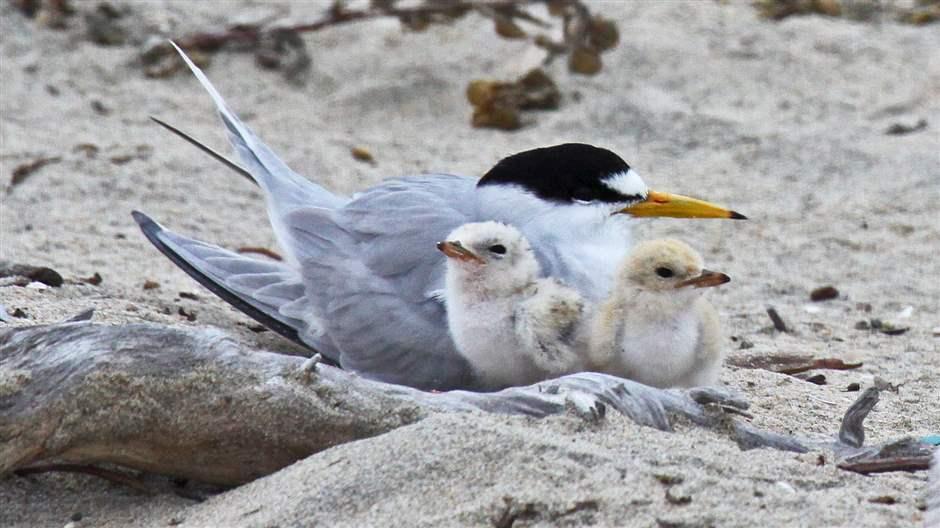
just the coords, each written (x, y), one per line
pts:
(562, 173)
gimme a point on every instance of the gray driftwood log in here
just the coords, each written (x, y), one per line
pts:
(195, 403)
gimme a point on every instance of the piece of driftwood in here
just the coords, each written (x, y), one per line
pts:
(194, 403)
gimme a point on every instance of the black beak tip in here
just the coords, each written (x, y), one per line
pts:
(440, 246)
(737, 216)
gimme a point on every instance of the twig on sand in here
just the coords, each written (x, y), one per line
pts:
(775, 318)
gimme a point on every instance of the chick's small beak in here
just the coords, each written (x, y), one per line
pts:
(678, 206)
(455, 250)
(706, 279)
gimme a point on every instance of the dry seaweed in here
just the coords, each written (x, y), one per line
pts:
(499, 104)
(586, 35)
(47, 276)
(24, 171)
(824, 293)
(923, 12)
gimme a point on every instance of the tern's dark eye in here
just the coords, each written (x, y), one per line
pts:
(664, 272)
(499, 249)
(583, 195)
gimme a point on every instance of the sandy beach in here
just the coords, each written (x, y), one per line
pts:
(785, 121)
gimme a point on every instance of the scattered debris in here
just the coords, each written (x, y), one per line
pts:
(94, 280)
(883, 499)
(103, 27)
(20, 313)
(188, 314)
(99, 107)
(50, 13)
(669, 480)
(789, 363)
(853, 387)
(920, 13)
(677, 498)
(779, 325)
(743, 343)
(40, 274)
(151, 284)
(88, 149)
(877, 325)
(899, 129)
(780, 9)
(141, 152)
(24, 171)
(188, 295)
(935, 331)
(282, 49)
(816, 379)
(824, 293)
(924, 12)
(362, 154)
(498, 104)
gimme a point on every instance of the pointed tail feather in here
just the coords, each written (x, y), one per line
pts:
(285, 190)
(205, 148)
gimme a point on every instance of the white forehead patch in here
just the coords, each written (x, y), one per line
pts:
(628, 184)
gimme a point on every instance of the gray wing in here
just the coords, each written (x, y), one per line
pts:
(269, 292)
(373, 271)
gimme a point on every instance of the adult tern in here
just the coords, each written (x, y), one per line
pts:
(362, 282)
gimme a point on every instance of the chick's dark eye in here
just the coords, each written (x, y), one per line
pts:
(583, 194)
(664, 272)
(499, 249)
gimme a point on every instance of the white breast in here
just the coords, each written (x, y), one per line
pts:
(658, 352)
(485, 336)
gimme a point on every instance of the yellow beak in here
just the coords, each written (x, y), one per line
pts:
(678, 206)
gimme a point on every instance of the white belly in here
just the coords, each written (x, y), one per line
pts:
(488, 340)
(660, 353)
